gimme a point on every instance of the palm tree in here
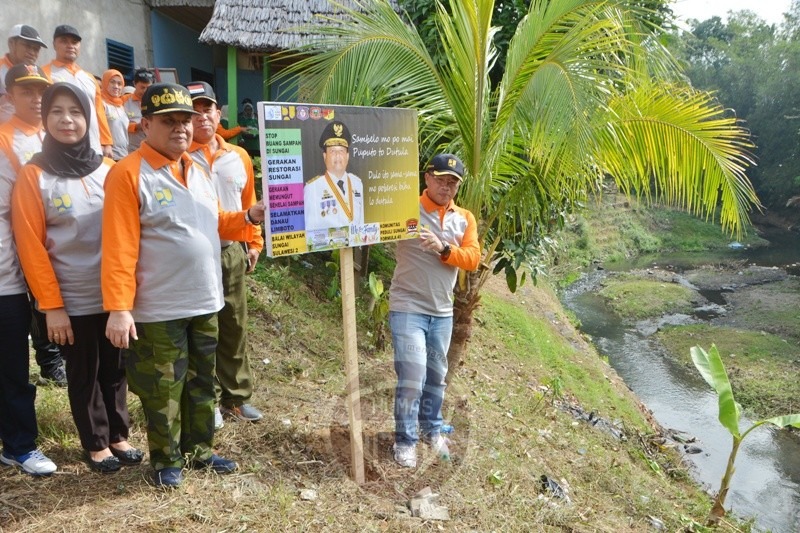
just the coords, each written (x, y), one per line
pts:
(587, 94)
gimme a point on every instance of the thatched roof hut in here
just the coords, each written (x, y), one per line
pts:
(265, 25)
(192, 13)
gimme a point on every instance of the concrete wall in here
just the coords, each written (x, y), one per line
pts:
(125, 21)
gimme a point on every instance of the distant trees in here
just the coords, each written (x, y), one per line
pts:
(754, 68)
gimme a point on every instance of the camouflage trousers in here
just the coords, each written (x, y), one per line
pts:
(234, 378)
(171, 369)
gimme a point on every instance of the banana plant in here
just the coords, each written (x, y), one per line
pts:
(710, 366)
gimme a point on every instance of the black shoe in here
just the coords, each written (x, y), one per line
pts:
(53, 376)
(104, 466)
(129, 457)
(218, 464)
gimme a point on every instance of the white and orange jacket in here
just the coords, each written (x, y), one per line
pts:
(57, 227)
(423, 281)
(6, 107)
(18, 142)
(133, 108)
(118, 126)
(99, 133)
(231, 171)
(161, 238)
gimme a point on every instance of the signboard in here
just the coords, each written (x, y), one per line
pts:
(337, 176)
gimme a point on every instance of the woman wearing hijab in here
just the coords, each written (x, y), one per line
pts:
(56, 217)
(111, 91)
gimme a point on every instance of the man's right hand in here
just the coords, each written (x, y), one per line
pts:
(120, 328)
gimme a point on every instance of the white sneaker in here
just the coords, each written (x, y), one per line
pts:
(438, 444)
(245, 412)
(405, 455)
(33, 462)
(218, 422)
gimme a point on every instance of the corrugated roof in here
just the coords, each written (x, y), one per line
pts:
(180, 3)
(264, 25)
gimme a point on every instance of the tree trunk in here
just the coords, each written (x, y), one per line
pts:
(467, 299)
(364, 262)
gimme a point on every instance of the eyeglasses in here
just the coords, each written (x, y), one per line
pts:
(442, 181)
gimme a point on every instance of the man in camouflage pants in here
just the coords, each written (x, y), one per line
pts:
(161, 282)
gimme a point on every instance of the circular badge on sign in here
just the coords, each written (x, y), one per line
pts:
(315, 113)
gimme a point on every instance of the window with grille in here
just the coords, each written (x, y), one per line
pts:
(120, 57)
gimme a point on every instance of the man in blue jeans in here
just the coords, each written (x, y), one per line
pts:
(421, 307)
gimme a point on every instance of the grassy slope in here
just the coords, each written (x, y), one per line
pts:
(508, 433)
(615, 228)
(762, 367)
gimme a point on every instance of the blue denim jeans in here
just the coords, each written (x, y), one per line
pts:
(420, 361)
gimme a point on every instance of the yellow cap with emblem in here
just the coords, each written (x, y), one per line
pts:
(162, 98)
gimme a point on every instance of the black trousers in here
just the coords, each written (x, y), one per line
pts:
(18, 429)
(96, 384)
(48, 356)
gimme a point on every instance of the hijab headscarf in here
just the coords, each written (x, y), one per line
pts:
(104, 85)
(67, 160)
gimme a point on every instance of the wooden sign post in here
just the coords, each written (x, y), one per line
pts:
(351, 364)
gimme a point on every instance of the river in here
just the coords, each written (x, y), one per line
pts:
(766, 485)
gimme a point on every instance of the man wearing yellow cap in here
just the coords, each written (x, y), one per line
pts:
(19, 140)
(336, 198)
(161, 282)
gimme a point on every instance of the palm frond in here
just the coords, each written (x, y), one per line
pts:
(587, 90)
(676, 145)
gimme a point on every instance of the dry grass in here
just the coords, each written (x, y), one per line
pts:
(508, 433)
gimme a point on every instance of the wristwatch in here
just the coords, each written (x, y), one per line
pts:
(248, 219)
(446, 250)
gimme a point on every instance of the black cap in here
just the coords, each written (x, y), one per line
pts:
(447, 164)
(335, 134)
(24, 74)
(162, 98)
(201, 90)
(27, 33)
(66, 29)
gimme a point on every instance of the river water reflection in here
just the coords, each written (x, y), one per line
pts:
(766, 485)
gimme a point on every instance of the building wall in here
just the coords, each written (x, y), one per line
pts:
(176, 46)
(249, 84)
(125, 21)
